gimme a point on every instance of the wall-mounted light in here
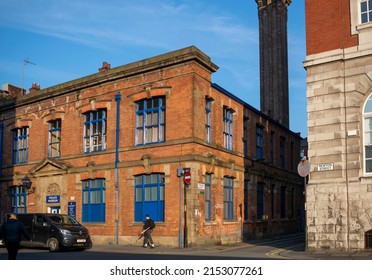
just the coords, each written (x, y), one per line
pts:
(26, 182)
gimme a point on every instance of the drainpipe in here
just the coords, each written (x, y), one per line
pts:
(179, 175)
(117, 99)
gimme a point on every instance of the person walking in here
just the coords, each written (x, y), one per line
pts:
(148, 227)
(11, 232)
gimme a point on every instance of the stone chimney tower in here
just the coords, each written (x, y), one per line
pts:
(274, 101)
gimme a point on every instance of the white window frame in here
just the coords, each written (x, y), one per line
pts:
(366, 116)
(355, 17)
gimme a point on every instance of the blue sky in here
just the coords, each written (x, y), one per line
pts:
(70, 39)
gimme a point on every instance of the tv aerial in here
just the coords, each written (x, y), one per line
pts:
(25, 62)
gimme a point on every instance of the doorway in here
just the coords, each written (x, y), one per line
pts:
(54, 209)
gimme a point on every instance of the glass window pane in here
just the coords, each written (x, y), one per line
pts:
(140, 120)
(138, 180)
(85, 197)
(140, 105)
(368, 107)
(154, 193)
(364, 18)
(156, 102)
(155, 133)
(149, 104)
(161, 133)
(363, 7)
(368, 166)
(147, 194)
(154, 178)
(148, 119)
(138, 194)
(368, 124)
(148, 132)
(368, 151)
(140, 136)
(155, 118)
(147, 179)
(367, 138)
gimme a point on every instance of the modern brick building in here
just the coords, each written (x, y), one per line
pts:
(339, 87)
(112, 147)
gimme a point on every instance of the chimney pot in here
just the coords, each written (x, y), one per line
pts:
(34, 87)
(105, 66)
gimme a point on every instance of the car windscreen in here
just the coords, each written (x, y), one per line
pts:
(63, 220)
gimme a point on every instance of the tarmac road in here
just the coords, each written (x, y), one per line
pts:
(289, 247)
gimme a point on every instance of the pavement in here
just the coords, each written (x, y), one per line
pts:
(291, 252)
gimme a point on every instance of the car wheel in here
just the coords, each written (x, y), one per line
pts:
(53, 245)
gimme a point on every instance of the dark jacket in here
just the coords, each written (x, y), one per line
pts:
(12, 231)
(149, 223)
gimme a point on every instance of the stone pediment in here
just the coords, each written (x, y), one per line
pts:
(50, 166)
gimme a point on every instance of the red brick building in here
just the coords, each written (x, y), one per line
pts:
(113, 146)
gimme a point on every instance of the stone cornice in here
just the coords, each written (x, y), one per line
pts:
(262, 4)
(188, 54)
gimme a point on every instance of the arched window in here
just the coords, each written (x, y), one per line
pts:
(367, 130)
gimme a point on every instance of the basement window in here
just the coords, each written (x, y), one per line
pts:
(368, 239)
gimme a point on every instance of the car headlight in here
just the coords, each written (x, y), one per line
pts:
(65, 231)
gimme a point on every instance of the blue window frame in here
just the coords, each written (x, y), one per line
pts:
(18, 199)
(20, 145)
(260, 200)
(94, 201)
(208, 197)
(259, 142)
(150, 121)
(282, 152)
(282, 202)
(54, 138)
(366, 11)
(208, 119)
(149, 197)
(228, 198)
(245, 136)
(94, 131)
(228, 115)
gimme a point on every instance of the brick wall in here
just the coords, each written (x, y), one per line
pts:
(328, 26)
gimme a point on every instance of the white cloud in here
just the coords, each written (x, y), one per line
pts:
(102, 24)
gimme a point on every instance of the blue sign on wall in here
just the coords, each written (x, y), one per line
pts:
(52, 199)
(72, 209)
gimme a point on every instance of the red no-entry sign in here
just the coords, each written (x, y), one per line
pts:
(187, 177)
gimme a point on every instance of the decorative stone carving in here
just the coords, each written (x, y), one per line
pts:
(53, 189)
(146, 163)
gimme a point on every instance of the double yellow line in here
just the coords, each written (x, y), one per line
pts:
(276, 253)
